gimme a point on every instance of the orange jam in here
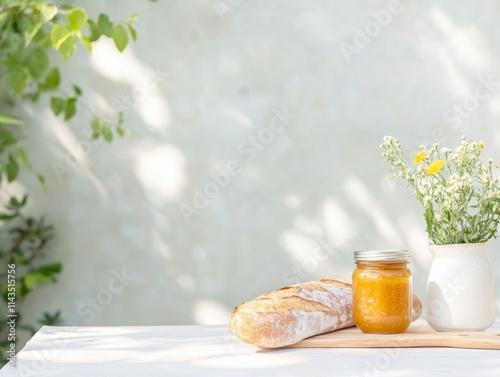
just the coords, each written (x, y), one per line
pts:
(381, 286)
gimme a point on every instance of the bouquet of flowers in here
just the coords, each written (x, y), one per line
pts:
(459, 193)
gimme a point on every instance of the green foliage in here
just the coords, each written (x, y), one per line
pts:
(8, 119)
(77, 18)
(131, 26)
(459, 193)
(120, 37)
(104, 25)
(101, 129)
(29, 31)
(24, 241)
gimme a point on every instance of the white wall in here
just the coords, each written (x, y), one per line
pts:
(320, 181)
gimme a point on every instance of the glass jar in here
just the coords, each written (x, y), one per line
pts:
(381, 286)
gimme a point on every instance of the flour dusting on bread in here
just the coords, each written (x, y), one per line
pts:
(290, 314)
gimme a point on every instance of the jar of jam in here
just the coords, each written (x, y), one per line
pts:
(381, 286)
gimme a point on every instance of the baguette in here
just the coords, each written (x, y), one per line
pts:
(288, 315)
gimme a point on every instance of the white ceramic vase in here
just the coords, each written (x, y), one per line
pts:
(460, 288)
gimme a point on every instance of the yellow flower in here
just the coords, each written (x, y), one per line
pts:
(480, 145)
(435, 167)
(419, 157)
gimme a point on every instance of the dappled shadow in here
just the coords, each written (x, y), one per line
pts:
(195, 350)
(318, 183)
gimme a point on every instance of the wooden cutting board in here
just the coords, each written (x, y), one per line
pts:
(415, 336)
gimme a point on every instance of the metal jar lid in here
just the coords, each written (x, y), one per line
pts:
(383, 255)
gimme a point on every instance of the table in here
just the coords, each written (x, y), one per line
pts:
(213, 351)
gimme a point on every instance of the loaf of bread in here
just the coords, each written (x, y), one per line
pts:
(290, 314)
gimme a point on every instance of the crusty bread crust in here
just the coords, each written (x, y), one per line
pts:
(290, 314)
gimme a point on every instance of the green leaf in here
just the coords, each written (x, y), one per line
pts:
(95, 32)
(41, 179)
(58, 105)
(66, 6)
(121, 118)
(34, 24)
(120, 37)
(13, 43)
(6, 216)
(68, 47)
(19, 258)
(132, 18)
(18, 79)
(37, 63)
(13, 203)
(133, 33)
(52, 79)
(100, 128)
(24, 200)
(119, 129)
(122, 132)
(97, 128)
(34, 278)
(50, 269)
(59, 34)
(22, 158)
(70, 109)
(77, 90)
(43, 39)
(48, 11)
(105, 25)
(107, 134)
(12, 168)
(7, 119)
(77, 18)
(7, 138)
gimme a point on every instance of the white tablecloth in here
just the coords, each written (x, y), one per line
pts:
(212, 351)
